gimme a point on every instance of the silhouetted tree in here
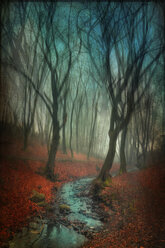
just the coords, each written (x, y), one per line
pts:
(93, 122)
(122, 61)
(64, 148)
(122, 151)
(55, 47)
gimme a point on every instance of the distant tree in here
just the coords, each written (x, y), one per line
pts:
(82, 124)
(56, 48)
(123, 161)
(7, 112)
(78, 111)
(161, 78)
(49, 42)
(93, 122)
(22, 56)
(145, 124)
(71, 115)
(64, 148)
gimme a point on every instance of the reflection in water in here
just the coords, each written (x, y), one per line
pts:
(52, 237)
(59, 237)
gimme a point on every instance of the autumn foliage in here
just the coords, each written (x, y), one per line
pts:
(134, 202)
(18, 180)
(19, 177)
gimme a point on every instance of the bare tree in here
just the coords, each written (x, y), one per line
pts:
(71, 116)
(78, 111)
(119, 45)
(64, 148)
(93, 122)
(122, 151)
(56, 48)
(161, 79)
(22, 56)
(58, 81)
(145, 125)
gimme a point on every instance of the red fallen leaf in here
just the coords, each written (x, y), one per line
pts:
(19, 179)
(145, 187)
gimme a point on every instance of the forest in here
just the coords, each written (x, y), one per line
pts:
(82, 124)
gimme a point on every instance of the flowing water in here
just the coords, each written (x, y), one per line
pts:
(69, 229)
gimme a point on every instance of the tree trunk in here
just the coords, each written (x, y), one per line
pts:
(52, 152)
(92, 133)
(26, 136)
(77, 135)
(63, 129)
(56, 133)
(64, 141)
(163, 117)
(122, 151)
(27, 131)
(104, 173)
(71, 120)
(77, 129)
(163, 103)
(70, 139)
(77, 124)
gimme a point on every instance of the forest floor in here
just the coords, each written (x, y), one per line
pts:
(134, 202)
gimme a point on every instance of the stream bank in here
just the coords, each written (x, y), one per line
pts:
(74, 218)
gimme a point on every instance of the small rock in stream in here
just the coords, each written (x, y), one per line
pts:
(64, 208)
(33, 225)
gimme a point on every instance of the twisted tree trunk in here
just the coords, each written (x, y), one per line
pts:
(104, 173)
(122, 151)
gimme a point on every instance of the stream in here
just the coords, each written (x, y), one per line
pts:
(75, 219)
